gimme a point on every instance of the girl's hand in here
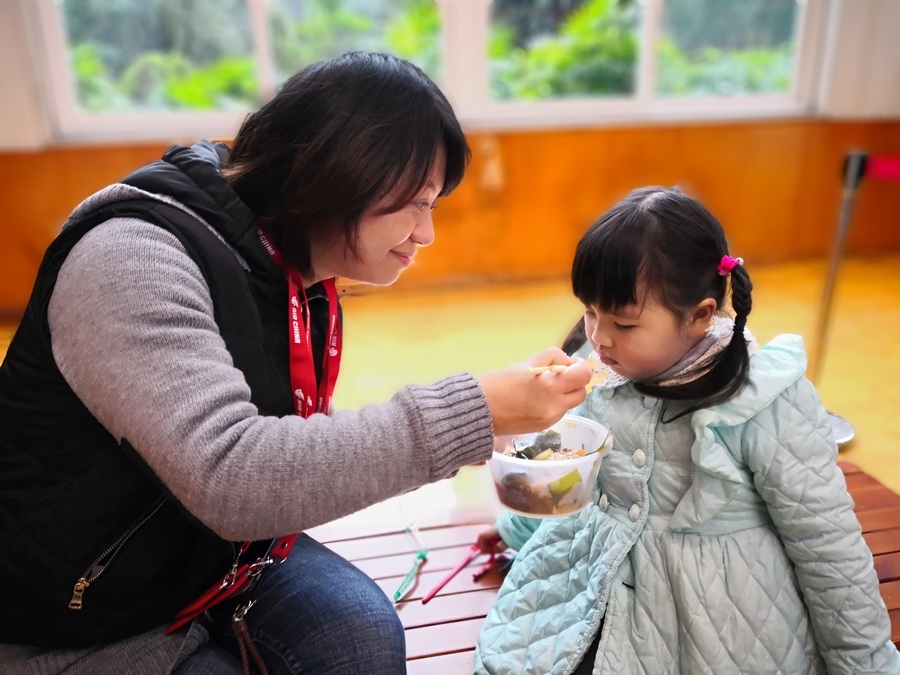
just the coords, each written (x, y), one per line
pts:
(521, 401)
(490, 540)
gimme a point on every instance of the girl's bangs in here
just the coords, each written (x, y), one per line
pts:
(609, 264)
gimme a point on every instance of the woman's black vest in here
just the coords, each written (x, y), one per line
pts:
(69, 492)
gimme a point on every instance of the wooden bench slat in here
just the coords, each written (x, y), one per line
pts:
(460, 663)
(878, 497)
(887, 566)
(883, 541)
(895, 626)
(860, 481)
(461, 583)
(890, 592)
(848, 467)
(399, 565)
(879, 519)
(445, 638)
(444, 608)
(400, 543)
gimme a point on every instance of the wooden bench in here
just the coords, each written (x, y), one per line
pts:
(441, 635)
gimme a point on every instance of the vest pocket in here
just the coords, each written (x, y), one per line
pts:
(97, 568)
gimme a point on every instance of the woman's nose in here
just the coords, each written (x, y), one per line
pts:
(423, 234)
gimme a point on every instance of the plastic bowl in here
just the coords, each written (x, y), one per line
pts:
(551, 488)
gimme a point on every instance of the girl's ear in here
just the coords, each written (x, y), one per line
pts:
(700, 316)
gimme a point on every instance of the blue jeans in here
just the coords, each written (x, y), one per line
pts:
(314, 613)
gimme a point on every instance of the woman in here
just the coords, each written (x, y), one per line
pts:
(166, 396)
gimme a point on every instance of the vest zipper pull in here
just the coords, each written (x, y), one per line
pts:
(78, 592)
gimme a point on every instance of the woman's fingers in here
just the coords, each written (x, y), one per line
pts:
(521, 401)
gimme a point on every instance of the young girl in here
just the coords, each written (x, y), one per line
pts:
(721, 538)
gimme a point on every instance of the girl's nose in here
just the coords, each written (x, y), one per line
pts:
(601, 338)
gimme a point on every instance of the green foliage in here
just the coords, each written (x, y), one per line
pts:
(415, 35)
(197, 54)
(123, 30)
(227, 84)
(717, 72)
(145, 80)
(593, 53)
(328, 28)
(592, 50)
(325, 30)
(96, 89)
(730, 25)
(171, 82)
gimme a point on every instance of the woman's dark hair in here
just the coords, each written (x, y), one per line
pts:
(671, 245)
(338, 138)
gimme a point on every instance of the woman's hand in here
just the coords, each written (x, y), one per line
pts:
(521, 402)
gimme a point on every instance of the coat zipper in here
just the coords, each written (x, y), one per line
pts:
(98, 567)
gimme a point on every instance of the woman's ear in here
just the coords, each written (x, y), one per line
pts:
(700, 317)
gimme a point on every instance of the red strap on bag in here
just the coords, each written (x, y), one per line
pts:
(310, 397)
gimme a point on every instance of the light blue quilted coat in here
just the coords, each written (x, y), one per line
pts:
(722, 542)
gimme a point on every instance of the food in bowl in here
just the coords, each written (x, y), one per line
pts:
(551, 473)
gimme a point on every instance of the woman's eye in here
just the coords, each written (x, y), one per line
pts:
(425, 206)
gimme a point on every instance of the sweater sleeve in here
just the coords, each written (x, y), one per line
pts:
(133, 333)
(789, 448)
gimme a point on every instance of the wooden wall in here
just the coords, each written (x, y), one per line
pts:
(528, 196)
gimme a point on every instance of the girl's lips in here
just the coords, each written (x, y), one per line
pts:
(606, 361)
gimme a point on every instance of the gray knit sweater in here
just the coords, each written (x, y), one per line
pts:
(134, 335)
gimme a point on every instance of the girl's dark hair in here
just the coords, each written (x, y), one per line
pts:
(339, 137)
(671, 245)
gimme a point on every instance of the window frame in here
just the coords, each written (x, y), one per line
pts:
(464, 80)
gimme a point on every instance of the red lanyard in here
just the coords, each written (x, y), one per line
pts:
(304, 386)
(303, 371)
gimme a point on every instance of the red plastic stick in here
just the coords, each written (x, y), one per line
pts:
(472, 553)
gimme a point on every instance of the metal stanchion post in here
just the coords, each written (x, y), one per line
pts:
(854, 169)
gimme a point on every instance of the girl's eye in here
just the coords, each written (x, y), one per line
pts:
(621, 326)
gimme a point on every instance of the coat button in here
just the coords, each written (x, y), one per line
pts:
(604, 503)
(608, 393)
(639, 458)
(649, 401)
(634, 512)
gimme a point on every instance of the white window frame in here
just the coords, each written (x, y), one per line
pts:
(464, 80)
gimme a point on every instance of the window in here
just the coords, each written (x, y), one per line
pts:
(146, 68)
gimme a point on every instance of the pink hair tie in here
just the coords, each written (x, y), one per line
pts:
(727, 264)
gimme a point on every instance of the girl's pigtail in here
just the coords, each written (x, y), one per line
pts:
(741, 300)
(735, 362)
